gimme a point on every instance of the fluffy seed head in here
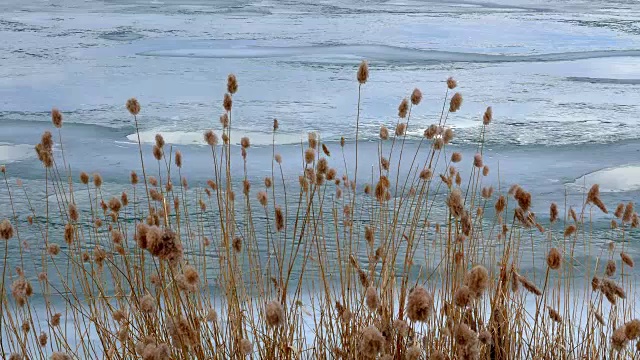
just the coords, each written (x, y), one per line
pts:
(210, 138)
(456, 102)
(554, 259)
(6, 230)
(56, 118)
(477, 160)
(403, 108)
(384, 133)
(488, 116)
(610, 269)
(416, 96)
(227, 102)
(371, 342)
(148, 304)
(97, 180)
(363, 72)
(133, 106)
(451, 83)
(232, 84)
(246, 346)
(371, 298)
(626, 259)
(477, 279)
(245, 142)
(274, 314)
(419, 304)
(401, 129)
(463, 296)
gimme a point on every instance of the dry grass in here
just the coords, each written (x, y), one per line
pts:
(416, 264)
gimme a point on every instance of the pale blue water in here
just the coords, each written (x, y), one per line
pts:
(563, 79)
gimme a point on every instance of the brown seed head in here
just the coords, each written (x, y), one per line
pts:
(56, 118)
(626, 259)
(363, 72)
(477, 279)
(403, 108)
(419, 304)
(245, 142)
(451, 83)
(210, 138)
(371, 298)
(274, 314)
(610, 269)
(227, 102)
(232, 84)
(6, 230)
(554, 259)
(416, 96)
(488, 116)
(456, 102)
(133, 106)
(371, 343)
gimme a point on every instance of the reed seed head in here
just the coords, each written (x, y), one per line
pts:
(227, 102)
(232, 84)
(403, 108)
(178, 159)
(451, 83)
(210, 138)
(246, 346)
(477, 160)
(419, 304)
(488, 116)
(6, 229)
(416, 96)
(554, 259)
(363, 72)
(384, 133)
(274, 314)
(309, 155)
(463, 296)
(279, 219)
(371, 342)
(133, 106)
(477, 279)
(371, 298)
(455, 103)
(626, 259)
(610, 269)
(56, 118)
(245, 142)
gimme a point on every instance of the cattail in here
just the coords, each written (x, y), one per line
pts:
(237, 244)
(262, 198)
(416, 96)
(134, 178)
(133, 106)
(159, 141)
(342, 141)
(628, 213)
(384, 133)
(401, 129)
(212, 316)
(554, 259)
(438, 143)
(371, 342)
(477, 279)
(56, 118)
(210, 138)
(569, 230)
(610, 269)
(55, 319)
(451, 83)
(413, 353)
(626, 259)
(279, 219)
(419, 304)
(384, 163)
(463, 296)
(371, 298)
(529, 286)
(593, 197)
(191, 275)
(232, 84)
(97, 180)
(227, 102)
(619, 211)
(363, 72)
(68, 234)
(246, 346)
(634, 221)
(309, 155)
(42, 339)
(157, 152)
(403, 108)
(485, 170)
(456, 102)
(325, 150)
(488, 116)
(245, 142)
(6, 230)
(553, 212)
(60, 356)
(464, 335)
(278, 158)
(425, 174)
(632, 329)
(456, 157)
(84, 178)
(523, 197)
(274, 314)
(148, 304)
(477, 160)
(455, 203)
(619, 338)
(224, 120)
(487, 192)
(53, 249)
(554, 315)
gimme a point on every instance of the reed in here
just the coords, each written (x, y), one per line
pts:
(408, 261)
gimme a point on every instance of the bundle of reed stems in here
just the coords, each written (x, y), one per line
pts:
(343, 264)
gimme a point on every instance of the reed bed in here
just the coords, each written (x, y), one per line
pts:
(410, 258)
